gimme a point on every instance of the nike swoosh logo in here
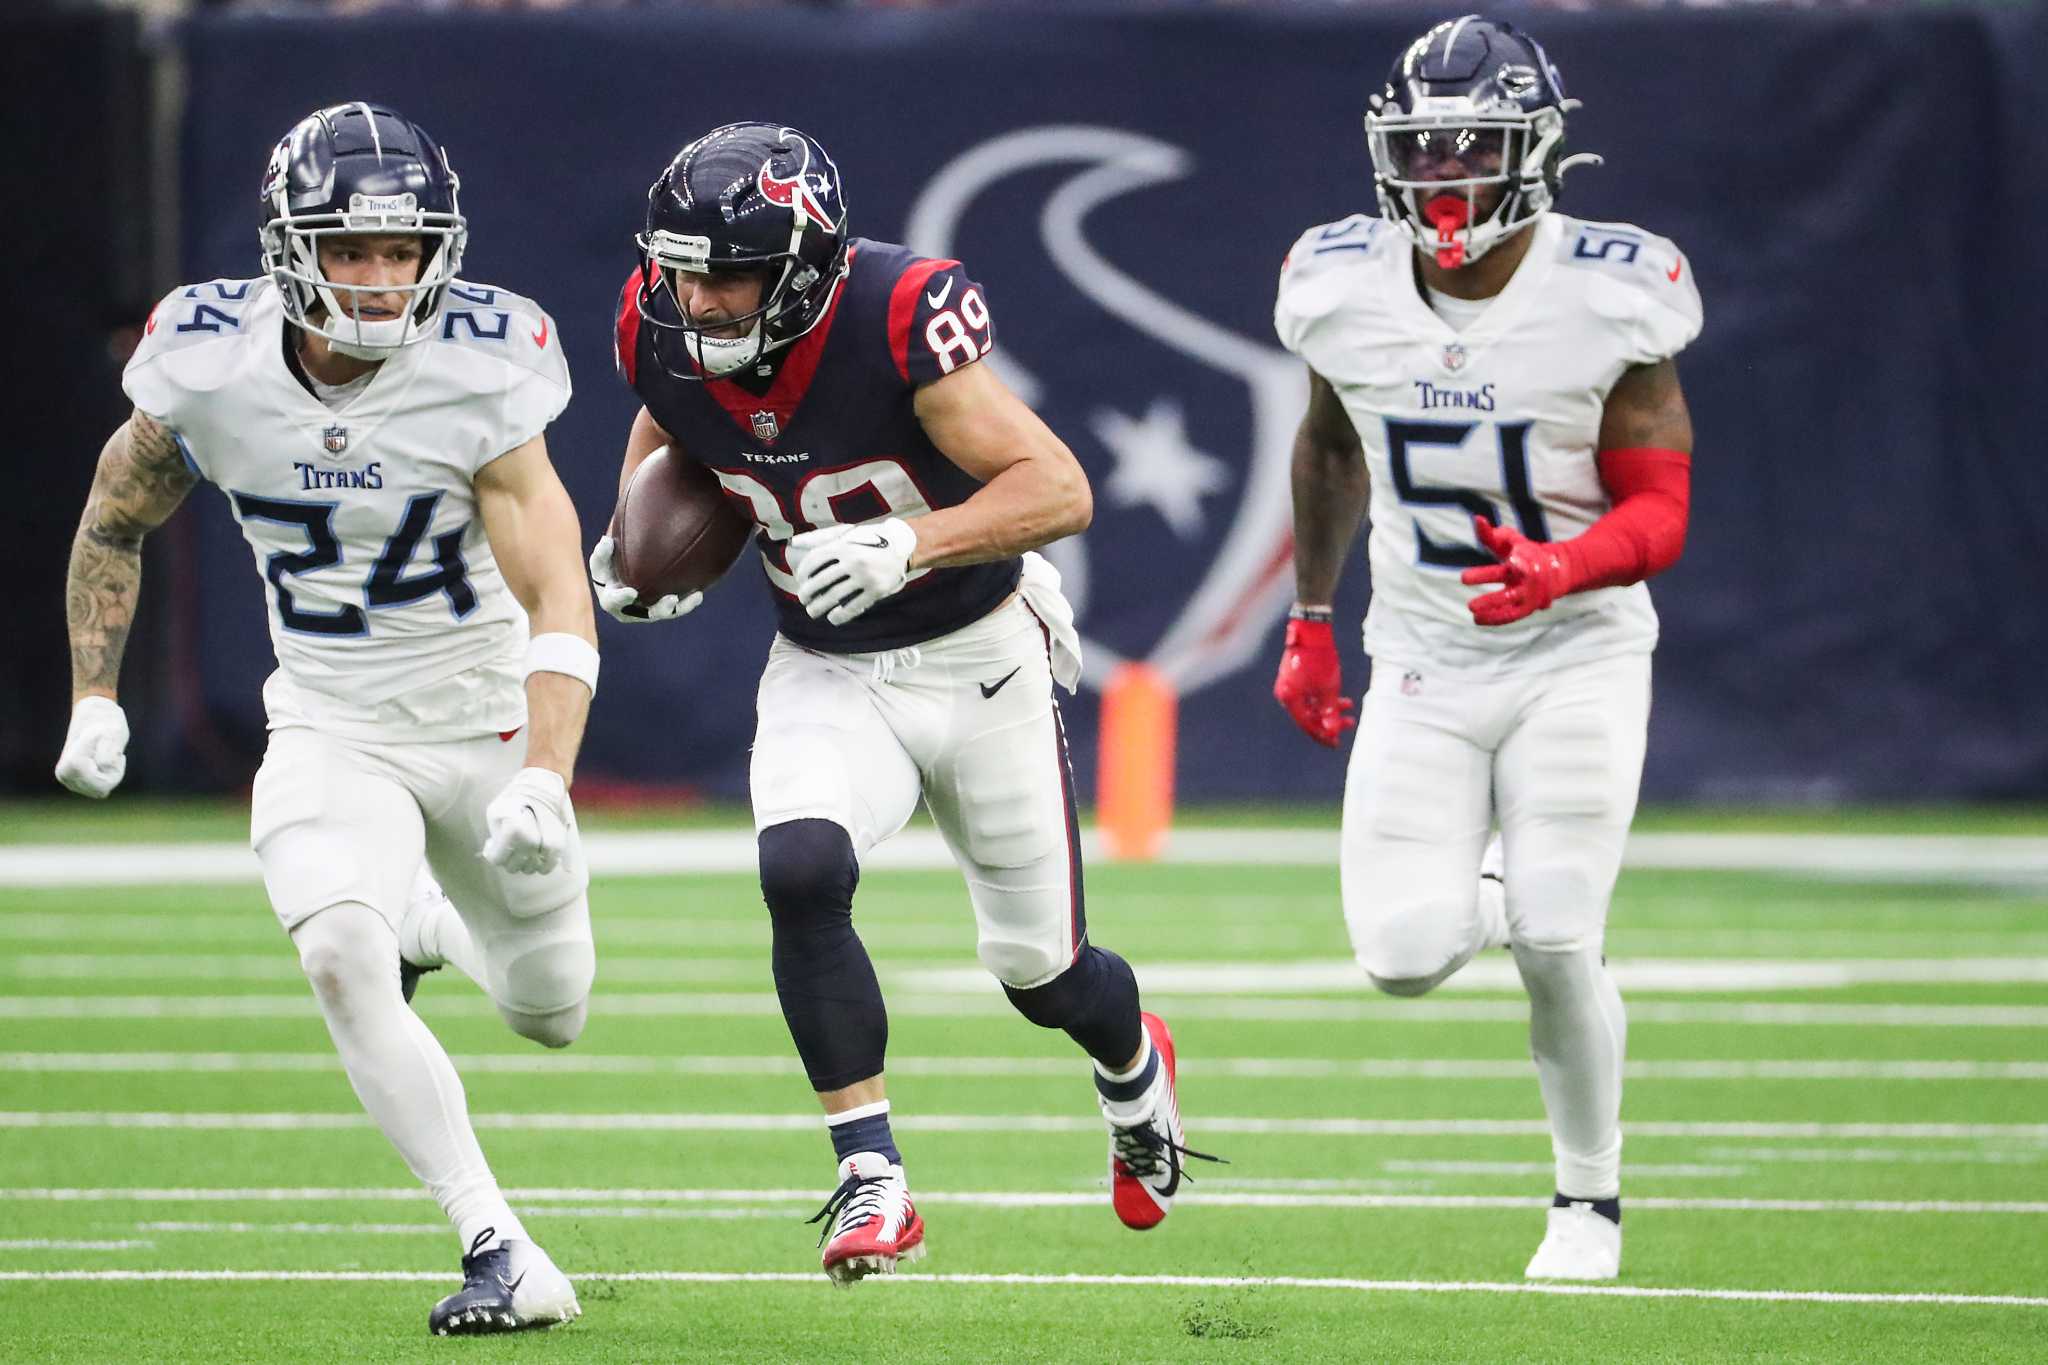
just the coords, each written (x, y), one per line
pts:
(1676, 266)
(876, 544)
(540, 338)
(938, 300)
(990, 689)
(512, 1286)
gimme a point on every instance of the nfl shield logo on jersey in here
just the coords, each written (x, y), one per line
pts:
(766, 427)
(335, 439)
(1454, 357)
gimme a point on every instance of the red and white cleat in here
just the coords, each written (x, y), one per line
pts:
(875, 1224)
(1146, 1142)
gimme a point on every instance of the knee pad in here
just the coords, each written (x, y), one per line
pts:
(808, 873)
(558, 1028)
(1413, 951)
(347, 952)
(548, 978)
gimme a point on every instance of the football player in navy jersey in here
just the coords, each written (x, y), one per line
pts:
(898, 488)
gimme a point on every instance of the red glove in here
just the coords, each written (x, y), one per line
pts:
(1311, 683)
(1532, 574)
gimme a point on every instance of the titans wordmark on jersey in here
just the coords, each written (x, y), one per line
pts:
(1501, 419)
(388, 613)
(832, 438)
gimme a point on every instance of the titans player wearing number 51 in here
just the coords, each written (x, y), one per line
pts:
(1500, 379)
(898, 487)
(376, 427)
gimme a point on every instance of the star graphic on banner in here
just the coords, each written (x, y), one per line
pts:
(1156, 467)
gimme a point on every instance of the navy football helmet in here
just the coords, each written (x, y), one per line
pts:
(754, 197)
(360, 168)
(1467, 139)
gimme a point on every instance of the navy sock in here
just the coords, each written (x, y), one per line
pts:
(1123, 1092)
(1610, 1209)
(868, 1133)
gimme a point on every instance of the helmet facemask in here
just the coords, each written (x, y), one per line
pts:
(792, 295)
(313, 303)
(1505, 162)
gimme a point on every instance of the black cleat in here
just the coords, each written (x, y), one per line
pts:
(409, 975)
(510, 1288)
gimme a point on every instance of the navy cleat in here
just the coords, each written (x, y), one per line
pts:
(409, 974)
(510, 1288)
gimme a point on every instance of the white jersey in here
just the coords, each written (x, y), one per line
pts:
(1501, 419)
(388, 614)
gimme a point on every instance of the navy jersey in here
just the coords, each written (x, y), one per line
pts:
(833, 438)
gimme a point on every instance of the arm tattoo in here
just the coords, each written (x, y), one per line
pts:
(1646, 407)
(140, 481)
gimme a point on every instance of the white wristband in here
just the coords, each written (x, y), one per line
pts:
(559, 652)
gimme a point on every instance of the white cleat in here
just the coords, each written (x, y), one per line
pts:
(874, 1224)
(513, 1287)
(1579, 1245)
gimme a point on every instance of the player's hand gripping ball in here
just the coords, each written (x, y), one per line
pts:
(674, 535)
(841, 571)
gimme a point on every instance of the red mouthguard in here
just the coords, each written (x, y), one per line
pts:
(1447, 213)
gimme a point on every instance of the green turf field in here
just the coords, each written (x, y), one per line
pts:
(1838, 1087)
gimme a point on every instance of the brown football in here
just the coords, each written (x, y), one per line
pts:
(676, 531)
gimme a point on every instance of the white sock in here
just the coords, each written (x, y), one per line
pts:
(398, 1068)
(433, 932)
(1578, 1034)
(1136, 1108)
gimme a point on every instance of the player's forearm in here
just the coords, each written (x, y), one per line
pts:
(557, 707)
(1330, 491)
(101, 590)
(1030, 504)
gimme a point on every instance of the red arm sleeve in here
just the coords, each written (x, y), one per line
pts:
(1644, 532)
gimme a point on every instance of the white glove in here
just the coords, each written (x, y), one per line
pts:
(95, 756)
(531, 823)
(622, 603)
(847, 569)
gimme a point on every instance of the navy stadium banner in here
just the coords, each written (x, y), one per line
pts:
(1857, 614)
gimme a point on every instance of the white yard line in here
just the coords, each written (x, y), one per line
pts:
(69, 1244)
(1876, 857)
(1012, 1123)
(817, 1281)
(746, 1203)
(1240, 1068)
(1495, 973)
(1252, 1009)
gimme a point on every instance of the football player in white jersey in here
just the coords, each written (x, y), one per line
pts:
(1496, 380)
(376, 426)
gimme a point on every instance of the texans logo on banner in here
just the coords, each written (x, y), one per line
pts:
(1193, 517)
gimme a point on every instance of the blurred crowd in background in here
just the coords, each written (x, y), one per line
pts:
(174, 7)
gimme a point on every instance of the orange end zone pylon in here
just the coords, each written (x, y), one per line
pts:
(1134, 787)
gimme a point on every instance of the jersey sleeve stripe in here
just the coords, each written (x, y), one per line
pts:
(903, 308)
(626, 337)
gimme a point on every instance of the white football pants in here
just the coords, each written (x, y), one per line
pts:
(1555, 759)
(967, 721)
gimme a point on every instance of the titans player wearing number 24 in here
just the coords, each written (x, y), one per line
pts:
(833, 386)
(1498, 381)
(375, 425)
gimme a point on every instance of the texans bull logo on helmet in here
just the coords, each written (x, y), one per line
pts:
(796, 191)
